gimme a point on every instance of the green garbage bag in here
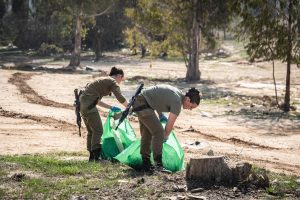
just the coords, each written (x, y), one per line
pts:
(172, 157)
(115, 141)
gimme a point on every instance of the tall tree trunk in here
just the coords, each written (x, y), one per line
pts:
(98, 51)
(274, 81)
(193, 72)
(75, 58)
(286, 107)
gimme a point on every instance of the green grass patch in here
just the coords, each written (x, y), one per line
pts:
(51, 176)
(144, 191)
(263, 114)
(58, 178)
(217, 101)
(51, 165)
(2, 193)
(2, 173)
(37, 187)
(295, 103)
(45, 188)
(280, 184)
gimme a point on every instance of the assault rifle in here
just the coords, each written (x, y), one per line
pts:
(77, 109)
(126, 111)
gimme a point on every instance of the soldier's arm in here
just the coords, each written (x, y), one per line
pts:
(125, 103)
(104, 105)
(169, 126)
(117, 92)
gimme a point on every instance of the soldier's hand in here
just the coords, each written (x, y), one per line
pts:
(115, 109)
(163, 118)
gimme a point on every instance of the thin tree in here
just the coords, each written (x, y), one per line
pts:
(177, 26)
(276, 20)
(85, 9)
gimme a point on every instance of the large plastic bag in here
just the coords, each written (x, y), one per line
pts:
(115, 141)
(172, 156)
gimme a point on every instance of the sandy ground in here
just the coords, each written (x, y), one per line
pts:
(37, 116)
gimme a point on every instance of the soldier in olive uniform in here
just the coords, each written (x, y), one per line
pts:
(92, 96)
(160, 98)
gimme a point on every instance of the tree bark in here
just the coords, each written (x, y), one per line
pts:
(75, 58)
(193, 72)
(274, 81)
(208, 170)
(286, 107)
(98, 50)
(214, 170)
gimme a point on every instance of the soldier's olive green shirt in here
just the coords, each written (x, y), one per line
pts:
(164, 98)
(103, 87)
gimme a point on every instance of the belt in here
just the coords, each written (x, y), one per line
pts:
(142, 107)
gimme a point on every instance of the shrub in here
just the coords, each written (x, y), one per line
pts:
(49, 49)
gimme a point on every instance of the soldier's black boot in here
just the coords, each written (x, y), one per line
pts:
(91, 158)
(146, 166)
(96, 154)
(159, 166)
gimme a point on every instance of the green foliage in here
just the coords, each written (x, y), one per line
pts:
(9, 30)
(51, 22)
(107, 32)
(165, 25)
(49, 49)
(265, 25)
(273, 31)
(153, 26)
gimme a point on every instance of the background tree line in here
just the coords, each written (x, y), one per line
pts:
(157, 27)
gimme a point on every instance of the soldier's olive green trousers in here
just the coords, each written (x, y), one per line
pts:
(92, 122)
(152, 132)
(94, 127)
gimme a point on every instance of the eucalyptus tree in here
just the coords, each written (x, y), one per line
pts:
(107, 32)
(175, 25)
(82, 10)
(271, 28)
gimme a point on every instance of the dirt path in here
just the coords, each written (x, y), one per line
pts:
(37, 114)
(19, 80)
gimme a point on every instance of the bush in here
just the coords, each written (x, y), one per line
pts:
(49, 49)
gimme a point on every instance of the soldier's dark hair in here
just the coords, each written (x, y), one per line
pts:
(194, 95)
(116, 71)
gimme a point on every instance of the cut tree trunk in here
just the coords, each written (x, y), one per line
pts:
(214, 170)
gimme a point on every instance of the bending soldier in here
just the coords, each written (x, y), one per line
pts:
(92, 96)
(160, 98)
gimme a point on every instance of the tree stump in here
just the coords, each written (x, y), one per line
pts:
(214, 170)
(209, 169)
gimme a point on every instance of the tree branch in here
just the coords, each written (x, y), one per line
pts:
(107, 10)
